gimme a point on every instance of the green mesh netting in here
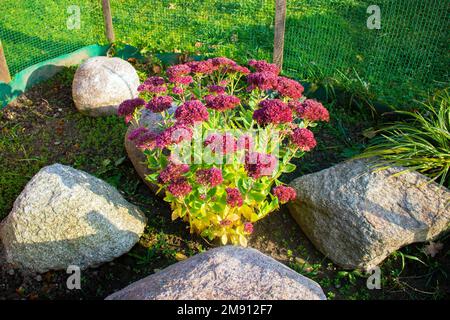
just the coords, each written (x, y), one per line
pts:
(324, 38)
(33, 31)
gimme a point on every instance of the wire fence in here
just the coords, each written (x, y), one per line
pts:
(324, 38)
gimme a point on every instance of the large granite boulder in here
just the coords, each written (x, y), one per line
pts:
(224, 273)
(148, 120)
(357, 216)
(67, 217)
(100, 84)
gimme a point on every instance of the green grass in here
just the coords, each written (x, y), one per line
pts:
(421, 142)
(326, 41)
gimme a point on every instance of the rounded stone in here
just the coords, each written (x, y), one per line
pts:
(67, 217)
(100, 84)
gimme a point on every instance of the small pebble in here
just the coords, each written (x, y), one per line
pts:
(11, 272)
(38, 278)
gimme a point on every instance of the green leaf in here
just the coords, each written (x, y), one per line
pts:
(289, 168)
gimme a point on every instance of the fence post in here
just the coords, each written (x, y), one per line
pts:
(4, 71)
(280, 24)
(109, 29)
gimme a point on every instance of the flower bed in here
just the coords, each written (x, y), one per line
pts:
(219, 156)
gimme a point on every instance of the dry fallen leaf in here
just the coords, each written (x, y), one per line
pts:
(180, 257)
(433, 248)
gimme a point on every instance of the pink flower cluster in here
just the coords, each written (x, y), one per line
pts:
(311, 110)
(179, 74)
(262, 81)
(172, 172)
(260, 164)
(191, 112)
(153, 85)
(209, 177)
(264, 66)
(143, 138)
(303, 138)
(248, 227)
(234, 197)
(222, 102)
(284, 194)
(159, 103)
(289, 88)
(273, 112)
(180, 187)
(201, 67)
(174, 135)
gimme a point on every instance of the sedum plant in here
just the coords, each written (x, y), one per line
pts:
(227, 133)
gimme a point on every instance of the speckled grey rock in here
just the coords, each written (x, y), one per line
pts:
(148, 120)
(224, 273)
(357, 216)
(100, 84)
(67, 217)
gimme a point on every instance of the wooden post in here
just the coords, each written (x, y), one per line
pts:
(109, 29)
(4, 71)
(280, 24)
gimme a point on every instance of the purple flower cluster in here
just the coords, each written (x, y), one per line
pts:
(191, 112)
(143, 138)
(178, 90)
(226, 65)
(264, 66)
(311, 110)
(153, 85)
(174, 135)
(284, 194)
(209, 177)
(201, 67)
(260, 164)
(273, 111)
(172, 172)
(303, 138)
(221, 143)
(262, 81)
(179, 74)
(222, 102)
(126, 108)
(180, 187)
(159, 103)
(289, 88)
(234, 197)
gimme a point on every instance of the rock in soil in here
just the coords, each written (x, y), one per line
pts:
(224, 273)
(67, 217)
(148, 120)
(357, 216)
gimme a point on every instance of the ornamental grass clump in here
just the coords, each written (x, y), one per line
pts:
(227, 133)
